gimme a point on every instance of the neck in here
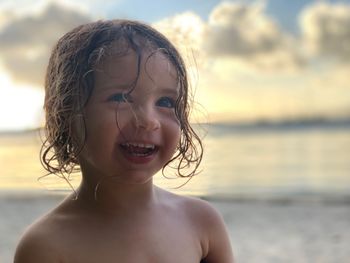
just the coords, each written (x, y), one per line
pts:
(115, 196)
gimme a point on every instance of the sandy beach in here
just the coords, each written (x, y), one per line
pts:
(261, 231)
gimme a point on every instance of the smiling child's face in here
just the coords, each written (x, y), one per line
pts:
(131, 135)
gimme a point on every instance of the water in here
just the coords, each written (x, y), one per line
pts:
(239, 162)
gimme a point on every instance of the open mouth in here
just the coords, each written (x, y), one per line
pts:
(139, 149)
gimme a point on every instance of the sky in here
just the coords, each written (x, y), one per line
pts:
(262, 60)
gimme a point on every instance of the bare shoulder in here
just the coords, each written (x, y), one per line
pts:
(210, 227)
(36, 245)
(217, 242)
(199, 211)
(42, 241)
(202, 211)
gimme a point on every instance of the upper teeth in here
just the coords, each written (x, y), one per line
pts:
(141, 145)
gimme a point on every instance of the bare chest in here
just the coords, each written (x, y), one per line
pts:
(147, 242)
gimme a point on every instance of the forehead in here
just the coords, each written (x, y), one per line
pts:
(125, 68)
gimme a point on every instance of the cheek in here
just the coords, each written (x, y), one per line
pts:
(100, 132)
(173, 135)
(124, 116)
(78, 128)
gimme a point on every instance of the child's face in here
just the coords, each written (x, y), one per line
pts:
(130, 136)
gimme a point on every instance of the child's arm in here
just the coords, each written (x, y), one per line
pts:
(217, 246)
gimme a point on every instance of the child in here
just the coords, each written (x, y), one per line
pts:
(117, 107)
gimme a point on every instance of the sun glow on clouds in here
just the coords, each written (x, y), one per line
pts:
(242, 64)
(250, 69)
(20, 106)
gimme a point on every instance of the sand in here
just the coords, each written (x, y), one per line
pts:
(261, 231)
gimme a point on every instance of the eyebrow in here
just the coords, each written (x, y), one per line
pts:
(127, 87)
(168, 90)
(119, 87)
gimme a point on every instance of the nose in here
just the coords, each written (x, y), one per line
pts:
(146, 119)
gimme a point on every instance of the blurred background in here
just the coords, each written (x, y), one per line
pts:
(272, 97)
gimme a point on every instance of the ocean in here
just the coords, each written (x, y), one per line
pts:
(282, 161)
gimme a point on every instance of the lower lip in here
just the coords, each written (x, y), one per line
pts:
(138, 159)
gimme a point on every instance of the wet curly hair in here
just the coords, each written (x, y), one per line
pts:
(70, 80)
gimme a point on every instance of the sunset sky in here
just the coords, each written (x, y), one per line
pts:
(248, 60)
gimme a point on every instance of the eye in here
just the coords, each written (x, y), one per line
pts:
(166, 102)
(120, 97)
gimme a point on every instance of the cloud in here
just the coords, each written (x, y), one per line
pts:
(326, 30)
(241, 30)
(185, 31)
(26, 42)
(4, 17)
(251, 69)
(237, 31)
(245, 32)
